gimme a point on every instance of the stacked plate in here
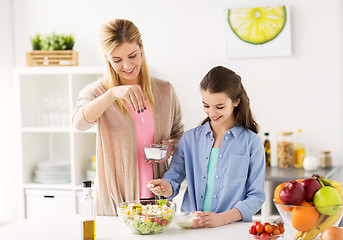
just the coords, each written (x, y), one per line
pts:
(52, 172)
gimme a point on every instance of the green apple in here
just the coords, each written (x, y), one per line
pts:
(327, 196)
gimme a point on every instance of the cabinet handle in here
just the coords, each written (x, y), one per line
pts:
(49, 196)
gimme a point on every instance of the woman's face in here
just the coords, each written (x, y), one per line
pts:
(219, 107)
(126, 60)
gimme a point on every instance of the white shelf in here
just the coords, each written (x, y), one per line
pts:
(45, 100)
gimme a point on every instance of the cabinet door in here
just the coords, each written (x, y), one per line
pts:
(39, 202)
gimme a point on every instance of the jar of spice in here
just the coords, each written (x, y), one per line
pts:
(285, 150)
(325, 159)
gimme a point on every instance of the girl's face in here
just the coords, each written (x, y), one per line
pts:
(219, 107)
(126, 60)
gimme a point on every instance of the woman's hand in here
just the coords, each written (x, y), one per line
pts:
(208, 219)
(132, 94)
(160, 187)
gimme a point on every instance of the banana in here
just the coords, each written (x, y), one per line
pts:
(299, 235)
(330, 220)
(311, 234)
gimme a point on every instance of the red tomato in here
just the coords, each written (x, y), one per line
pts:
(276, 231)
(256, 223)
(269, 228)
(157, 220)
(282, 229)
(265, 236)
(164, 222)
(252, 230)
(266, 223)
(259, 228)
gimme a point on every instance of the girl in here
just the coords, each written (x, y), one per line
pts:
(222, 159)
(131, 109)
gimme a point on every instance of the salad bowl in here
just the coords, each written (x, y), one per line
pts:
(147, 216)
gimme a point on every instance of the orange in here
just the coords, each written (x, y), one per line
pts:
(300, 179)
(304, 217)
(277, 198)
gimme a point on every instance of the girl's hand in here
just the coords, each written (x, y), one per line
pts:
(208, 219)
(169, 151)
(160, 187)
(132, 94)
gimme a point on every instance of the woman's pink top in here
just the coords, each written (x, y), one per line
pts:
(145, 132)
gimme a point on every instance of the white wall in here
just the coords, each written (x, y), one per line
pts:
(184, 39)
(7, 141)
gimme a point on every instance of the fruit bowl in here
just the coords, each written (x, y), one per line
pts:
(307, 221)
(274, 237)
(147, 216)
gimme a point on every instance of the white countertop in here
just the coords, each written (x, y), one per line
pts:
(63, 226)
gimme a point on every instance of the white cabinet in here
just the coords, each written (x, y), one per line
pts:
(45, 100)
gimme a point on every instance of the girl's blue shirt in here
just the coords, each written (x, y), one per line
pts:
(240, 173)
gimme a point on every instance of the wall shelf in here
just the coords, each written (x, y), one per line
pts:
(45, 100)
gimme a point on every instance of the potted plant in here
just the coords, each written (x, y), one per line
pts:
(52, 50)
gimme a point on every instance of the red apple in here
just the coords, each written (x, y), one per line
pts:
(292, 193)
(311, 186)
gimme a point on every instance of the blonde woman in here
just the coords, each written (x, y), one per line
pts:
(131, 109)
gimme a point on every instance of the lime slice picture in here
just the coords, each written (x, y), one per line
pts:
(257, 25)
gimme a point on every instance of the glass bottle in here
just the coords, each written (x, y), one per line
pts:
(87, 212)
(299, 149)
(267, 148)
(325, 159)
(285, 150)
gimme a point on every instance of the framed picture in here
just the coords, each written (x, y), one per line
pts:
(258, 32)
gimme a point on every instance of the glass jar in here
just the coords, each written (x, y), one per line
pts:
(325, 159)
(285, 150)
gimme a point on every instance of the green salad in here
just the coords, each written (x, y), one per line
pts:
(149, 218)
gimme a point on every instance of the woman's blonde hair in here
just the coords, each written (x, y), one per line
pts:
(113, 34)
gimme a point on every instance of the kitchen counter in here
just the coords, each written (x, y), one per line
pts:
(68, 227)
(287, 174)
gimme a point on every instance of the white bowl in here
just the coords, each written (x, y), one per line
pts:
(185, 219)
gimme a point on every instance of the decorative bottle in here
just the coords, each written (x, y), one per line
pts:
(299, 149)
(267, 148)
(88, 212)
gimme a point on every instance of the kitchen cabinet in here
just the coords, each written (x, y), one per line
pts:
(45, 99)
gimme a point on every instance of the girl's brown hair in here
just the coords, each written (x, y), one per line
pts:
(221, 79)
(113, 34)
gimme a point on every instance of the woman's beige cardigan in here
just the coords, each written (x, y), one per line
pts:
(117, 167)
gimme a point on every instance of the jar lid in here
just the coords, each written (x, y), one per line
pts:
(285, 133)
(326, 151)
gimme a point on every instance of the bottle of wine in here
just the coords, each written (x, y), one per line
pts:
(267, 149)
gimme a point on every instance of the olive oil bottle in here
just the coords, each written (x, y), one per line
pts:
(87, 212)
(267, 148)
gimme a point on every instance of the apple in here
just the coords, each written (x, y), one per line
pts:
(292, 193)
(311, 186)
(327, 196)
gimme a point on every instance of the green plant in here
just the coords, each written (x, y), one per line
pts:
(36, 42)
(52, 42)
(69, 41)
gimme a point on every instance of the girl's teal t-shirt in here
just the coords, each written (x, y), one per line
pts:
(211, 172)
